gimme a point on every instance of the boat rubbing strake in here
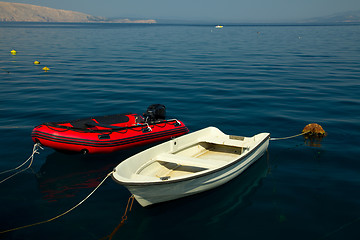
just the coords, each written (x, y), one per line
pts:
(111, 133)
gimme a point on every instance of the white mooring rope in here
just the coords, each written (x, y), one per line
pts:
(31, 158)
(283, 138)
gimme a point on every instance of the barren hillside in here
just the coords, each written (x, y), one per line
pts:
(18, 12)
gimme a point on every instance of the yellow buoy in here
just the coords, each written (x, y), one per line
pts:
(46, 69)
(13, 52)
(36, 62)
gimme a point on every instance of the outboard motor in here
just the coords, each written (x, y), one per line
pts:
(155, 112)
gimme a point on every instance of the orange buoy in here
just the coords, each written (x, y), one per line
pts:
(314, 129)
(313, 134)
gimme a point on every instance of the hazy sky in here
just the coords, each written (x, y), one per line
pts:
(212, 10)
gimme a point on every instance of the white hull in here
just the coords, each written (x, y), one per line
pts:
(203, 160)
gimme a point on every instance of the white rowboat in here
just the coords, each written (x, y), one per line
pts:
(189, 164)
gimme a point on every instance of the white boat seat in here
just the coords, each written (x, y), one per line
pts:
(189, 161)
(140, 177)
(226, 142)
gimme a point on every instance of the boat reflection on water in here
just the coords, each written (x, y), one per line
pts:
(63, 176)
(213, 205)
(231, 196)
(235, 195)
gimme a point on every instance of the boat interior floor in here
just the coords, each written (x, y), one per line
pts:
(200, 157)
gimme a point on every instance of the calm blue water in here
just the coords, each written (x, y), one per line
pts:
(241, 79)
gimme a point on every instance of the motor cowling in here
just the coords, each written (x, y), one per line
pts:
(154, 113)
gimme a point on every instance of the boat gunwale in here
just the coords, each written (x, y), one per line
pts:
(196, 175)
(110, 128)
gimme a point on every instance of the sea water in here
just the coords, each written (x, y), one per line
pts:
(243, 79)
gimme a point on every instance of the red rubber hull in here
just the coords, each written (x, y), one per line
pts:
(105, 141)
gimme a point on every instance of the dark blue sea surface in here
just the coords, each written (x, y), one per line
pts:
(241, 79)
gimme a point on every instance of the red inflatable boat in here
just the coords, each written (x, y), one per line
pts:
(111, 133)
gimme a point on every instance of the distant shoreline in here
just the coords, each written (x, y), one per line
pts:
(226, 25)
(20, 12)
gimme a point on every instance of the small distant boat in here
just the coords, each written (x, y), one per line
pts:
(106, 134)
(219, 26)
(188, 165)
